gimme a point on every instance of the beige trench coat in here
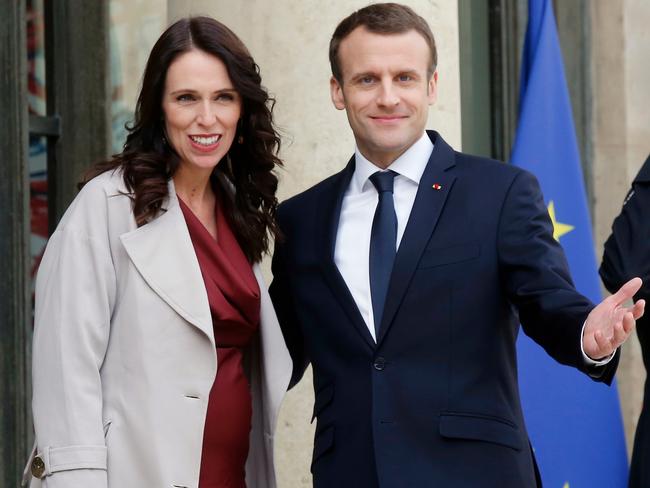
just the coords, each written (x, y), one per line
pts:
(124, 354)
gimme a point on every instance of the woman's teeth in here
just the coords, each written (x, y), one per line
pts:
(205, 141)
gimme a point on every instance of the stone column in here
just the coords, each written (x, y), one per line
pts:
(620, 133)
(15, 298)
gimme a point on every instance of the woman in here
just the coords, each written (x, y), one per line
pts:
(158, 360)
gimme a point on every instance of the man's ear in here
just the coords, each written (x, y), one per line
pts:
(432, 88)
(336, 92)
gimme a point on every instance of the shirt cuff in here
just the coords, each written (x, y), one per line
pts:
(587, 360)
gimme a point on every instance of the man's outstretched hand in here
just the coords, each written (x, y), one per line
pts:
(610, 323)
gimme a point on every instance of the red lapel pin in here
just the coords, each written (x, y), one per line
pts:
(436, 186)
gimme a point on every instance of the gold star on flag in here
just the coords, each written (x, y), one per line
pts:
(559, 229)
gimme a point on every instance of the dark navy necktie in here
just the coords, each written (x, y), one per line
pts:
(383, 241)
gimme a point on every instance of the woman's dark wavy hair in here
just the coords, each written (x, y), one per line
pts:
(245, 178)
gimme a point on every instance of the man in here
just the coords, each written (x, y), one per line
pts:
(627, 254)
(403, 280)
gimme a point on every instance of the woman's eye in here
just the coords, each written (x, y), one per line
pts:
(225, 97)
(185, 98)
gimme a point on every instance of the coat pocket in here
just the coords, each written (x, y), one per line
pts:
(323, 442)
(481, 428)
(438, 256)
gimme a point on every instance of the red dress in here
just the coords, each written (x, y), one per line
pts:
(234, 297)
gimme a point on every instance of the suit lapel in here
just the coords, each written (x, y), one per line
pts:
(163, 254)
(435, 185)
(329, 212)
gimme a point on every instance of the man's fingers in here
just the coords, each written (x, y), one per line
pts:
(638, 309)
(622, 330)
(627, 291)
(628, 322)
(603, 343)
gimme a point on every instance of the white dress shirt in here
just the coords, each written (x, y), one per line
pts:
(352, 251)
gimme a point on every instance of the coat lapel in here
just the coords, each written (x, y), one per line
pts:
(163, 254)
(329, 213)
(435, 185)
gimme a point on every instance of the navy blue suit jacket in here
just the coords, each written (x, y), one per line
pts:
(435, 402)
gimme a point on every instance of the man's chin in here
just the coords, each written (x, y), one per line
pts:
(393, 145)
(384, 153)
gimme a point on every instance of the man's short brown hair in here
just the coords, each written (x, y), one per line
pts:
(381, 18)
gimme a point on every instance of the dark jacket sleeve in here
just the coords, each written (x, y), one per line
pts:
(627, 250)
(283, 302)
(537, 279)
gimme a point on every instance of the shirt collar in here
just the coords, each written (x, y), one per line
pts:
(411, 164)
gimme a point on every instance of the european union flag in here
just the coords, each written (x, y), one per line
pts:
(574, 423)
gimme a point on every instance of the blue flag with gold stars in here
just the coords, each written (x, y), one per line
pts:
(574, 423)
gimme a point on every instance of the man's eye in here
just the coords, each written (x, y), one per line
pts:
(366, 80)
(405, 78)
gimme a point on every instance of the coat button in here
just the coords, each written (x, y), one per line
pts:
(38, 467)
(379, 364)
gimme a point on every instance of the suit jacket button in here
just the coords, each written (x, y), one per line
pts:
(379, 364)
(38, 467)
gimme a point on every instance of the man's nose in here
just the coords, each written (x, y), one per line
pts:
(387, 96)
